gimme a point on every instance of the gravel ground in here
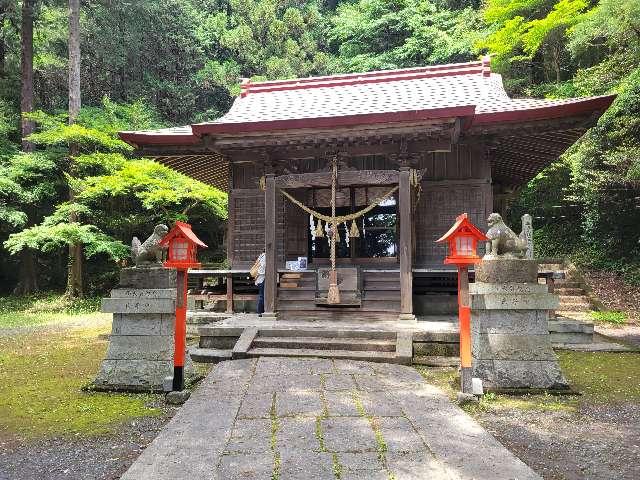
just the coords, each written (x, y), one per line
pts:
(628, 334)
(96, 458)
(596, 443)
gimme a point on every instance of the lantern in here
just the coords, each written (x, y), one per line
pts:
(182, 246)
(463, 238)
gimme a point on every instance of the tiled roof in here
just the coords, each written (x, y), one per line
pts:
(467, 90)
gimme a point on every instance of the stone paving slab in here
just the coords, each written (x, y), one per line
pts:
(322, 419)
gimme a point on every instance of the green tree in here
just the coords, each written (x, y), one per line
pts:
(260, 39)
(527, 38)
(114, 198)
(383, 34)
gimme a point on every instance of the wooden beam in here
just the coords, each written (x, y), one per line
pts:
(373, 147)
(345, 179)
(405, 245)
(270, 244)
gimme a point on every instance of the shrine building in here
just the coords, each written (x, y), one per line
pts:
(392, 156)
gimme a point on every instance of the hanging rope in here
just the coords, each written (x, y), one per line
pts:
(341, 218)
(334, 225)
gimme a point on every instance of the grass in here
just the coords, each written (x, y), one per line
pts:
(603, 377)
(43, 372)
(599, 377)
(47, 308)
(609, 316)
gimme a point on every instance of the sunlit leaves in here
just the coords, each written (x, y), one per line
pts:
(156, 187)
(521, 27)
(52, 237)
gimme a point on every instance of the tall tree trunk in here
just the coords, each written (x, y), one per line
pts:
(26, 98)
(27, 274)
(75, 284)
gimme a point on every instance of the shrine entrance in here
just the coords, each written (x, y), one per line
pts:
(378, 232)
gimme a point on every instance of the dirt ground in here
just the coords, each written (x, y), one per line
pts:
(598, 442)
(614, 294)
(104, 457)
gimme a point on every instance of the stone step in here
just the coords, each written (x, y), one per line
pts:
(434, 361)
(436, 349)
(574, 307)
(368, 356)
(573, 299)
(324, 343)
(569, 291)
(567, 284)
(570, 331)
(209, 355)
(567, 325)
(582, 315)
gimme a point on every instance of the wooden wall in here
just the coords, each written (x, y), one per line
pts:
(453, 183)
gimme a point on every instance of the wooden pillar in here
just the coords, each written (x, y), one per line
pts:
(229, 292)
(270, 278)
(405, 245)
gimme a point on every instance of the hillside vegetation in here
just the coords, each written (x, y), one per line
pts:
(151, 63)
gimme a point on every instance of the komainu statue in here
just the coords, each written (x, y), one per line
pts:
(503, 242)
(149, 252)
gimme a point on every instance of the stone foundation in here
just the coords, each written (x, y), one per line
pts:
(140, 353)
(509, 328)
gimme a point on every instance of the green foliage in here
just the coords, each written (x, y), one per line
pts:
(57, 132)
(261, 39)
(617, 318)
(383, 34)
(522, 30)
(156, 187)
(51, 236)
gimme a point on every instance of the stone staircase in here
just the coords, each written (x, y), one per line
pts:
(573, 297)
(366, 345)
(571, 324)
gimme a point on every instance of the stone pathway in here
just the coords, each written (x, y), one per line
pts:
(320, 419)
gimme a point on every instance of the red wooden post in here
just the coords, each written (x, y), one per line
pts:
(464, 319)
(182, 246)
(180, 339)
(463, 238)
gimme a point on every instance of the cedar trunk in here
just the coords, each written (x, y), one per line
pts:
(75, 284)
(26, 97)
(28, 276)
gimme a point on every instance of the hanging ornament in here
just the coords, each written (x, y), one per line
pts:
(319, 233)
(354, 232)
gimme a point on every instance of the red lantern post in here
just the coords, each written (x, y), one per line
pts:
(182, 245)
(463, 238)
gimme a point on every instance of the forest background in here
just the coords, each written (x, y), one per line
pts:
(72, 195)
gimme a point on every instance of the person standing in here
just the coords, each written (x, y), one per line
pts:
(259, 268)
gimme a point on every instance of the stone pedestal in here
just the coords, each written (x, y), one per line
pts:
(510, 335)
(140, 353)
